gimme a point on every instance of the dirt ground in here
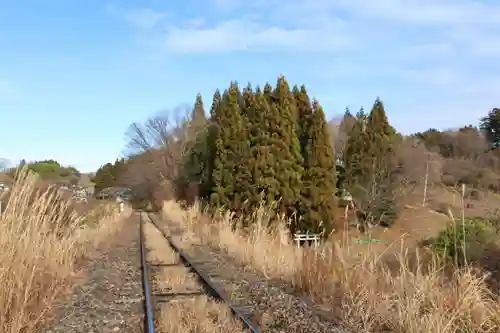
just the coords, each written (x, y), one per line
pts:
(415, 225)
(109, 295)
(476, 203)
(418, 223)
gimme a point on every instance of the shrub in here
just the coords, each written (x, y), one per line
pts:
(388, 209)
(383, 209)
(466, 241)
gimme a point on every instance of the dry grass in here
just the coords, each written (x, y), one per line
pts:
(184, 313)
(105, 223)
(369, 291)
(39, 244)
(172, 279)
(200, 315)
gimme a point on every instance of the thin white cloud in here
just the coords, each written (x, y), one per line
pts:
(143, 18)
(441, 26)
(446, 47)
(249, 35)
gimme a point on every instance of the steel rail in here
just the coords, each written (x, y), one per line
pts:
(209, 285)
(148, 308)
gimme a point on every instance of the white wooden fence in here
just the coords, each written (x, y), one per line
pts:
(315, 238)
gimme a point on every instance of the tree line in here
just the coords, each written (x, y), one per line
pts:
(50, 170)
(109, 175)
(273, 146)
(468, 155)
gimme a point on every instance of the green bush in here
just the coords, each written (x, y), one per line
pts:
(387, 210)
(468, 240)
(382, 210)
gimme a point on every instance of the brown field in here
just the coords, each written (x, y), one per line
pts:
(392, 286)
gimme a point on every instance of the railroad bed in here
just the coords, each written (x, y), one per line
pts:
(269, 306)
(182, 298)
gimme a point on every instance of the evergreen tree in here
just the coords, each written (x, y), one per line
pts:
(379, 130)
(207, 181)
(189, 183)
(268, 93)
(229, 125)
(378, 167)
(319, 175)
(344, 128)
(304, 113)
(244, 187)
(104, 178)
(380, 137)
(353, 154)
(288, 158)
(198, 119)
(119, 171)
(262, 148)
(490, 125)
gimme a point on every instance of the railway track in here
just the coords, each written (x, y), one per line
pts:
(175, 286)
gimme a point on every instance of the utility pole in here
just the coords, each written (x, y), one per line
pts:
(425, 182)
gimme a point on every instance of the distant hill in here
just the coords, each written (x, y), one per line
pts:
(50, 170)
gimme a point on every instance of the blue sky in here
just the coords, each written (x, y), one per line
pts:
(75, 73)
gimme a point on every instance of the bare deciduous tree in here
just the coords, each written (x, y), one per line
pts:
(422, 168)
(339, 129)
(470, 160)
(156, 149)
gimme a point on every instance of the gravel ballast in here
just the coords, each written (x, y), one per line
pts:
(109, 297)
(276, 310)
